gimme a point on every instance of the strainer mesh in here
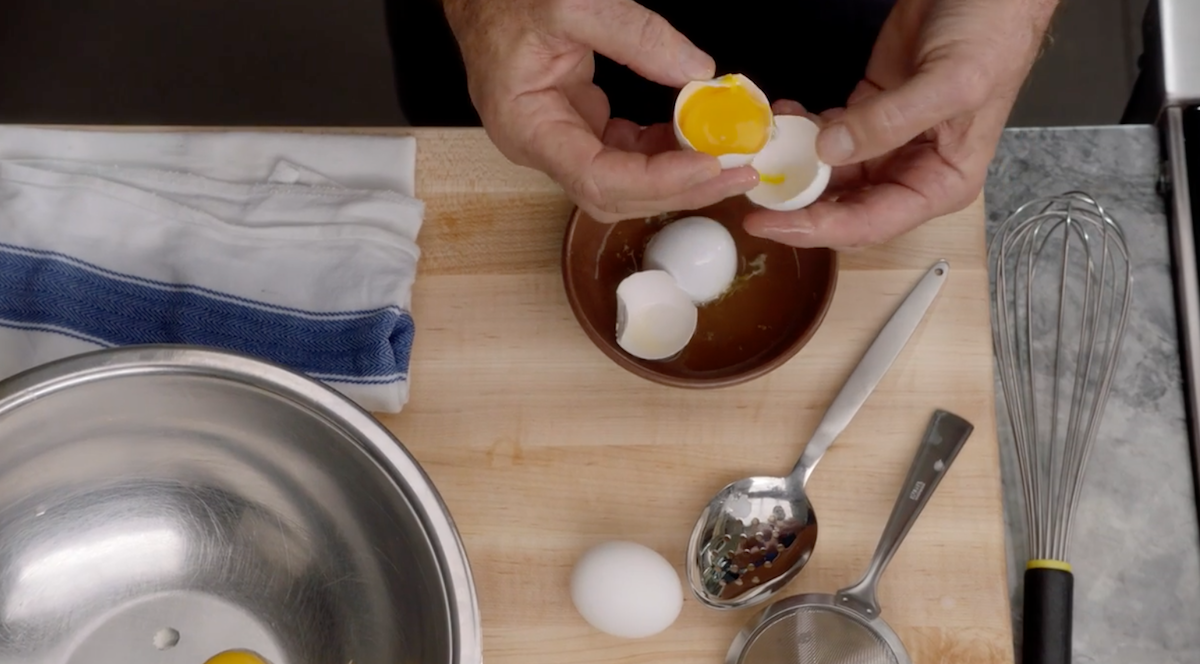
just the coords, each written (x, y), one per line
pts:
(817, 635)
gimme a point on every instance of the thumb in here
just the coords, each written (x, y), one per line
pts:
(886, 120)
(638, 38)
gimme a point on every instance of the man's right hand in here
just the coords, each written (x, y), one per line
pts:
(529, 69)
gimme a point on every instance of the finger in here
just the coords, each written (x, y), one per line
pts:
(636, 37)
(832, 115)
(622, 134)
(923, 187)
(788, 107)
(592, 105)
(844, 179)
(883, 122)
(861, 218)
(729, 183)
(656, 181)
(864, 89)
(586, 97)
(599, 176)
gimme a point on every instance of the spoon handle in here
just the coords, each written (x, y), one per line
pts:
(944, 438)
(871, 369)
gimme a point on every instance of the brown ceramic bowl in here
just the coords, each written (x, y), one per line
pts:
(764, 319)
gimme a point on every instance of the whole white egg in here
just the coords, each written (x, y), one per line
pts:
(699, 253)
(626, 589)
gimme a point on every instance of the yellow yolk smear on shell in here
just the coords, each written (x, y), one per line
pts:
(724, 119)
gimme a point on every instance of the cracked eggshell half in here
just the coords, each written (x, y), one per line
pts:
(728, 117)
(655, 317)
(791, 176)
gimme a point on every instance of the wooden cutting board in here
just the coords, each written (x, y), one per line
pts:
(542, 447)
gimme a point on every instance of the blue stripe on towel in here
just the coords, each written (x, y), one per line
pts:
(57, 294)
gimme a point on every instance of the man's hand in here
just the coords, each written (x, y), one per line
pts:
(917, 135)
(529, 68)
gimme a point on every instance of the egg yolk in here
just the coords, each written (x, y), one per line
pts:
(236, 657)
(724, 119)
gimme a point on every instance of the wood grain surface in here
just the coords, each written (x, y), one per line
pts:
(542, 447)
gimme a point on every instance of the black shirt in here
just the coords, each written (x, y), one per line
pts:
(811, 51)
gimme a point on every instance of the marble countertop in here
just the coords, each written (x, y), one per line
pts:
(1136, 545)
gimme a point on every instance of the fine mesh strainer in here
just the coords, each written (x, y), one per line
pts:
(845, 628)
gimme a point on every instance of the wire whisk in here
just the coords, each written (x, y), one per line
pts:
(1063, 284)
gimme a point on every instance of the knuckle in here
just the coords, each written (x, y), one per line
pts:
(971, 85)
(888, 114)
(888, 120)
(967, 193)
(653, 32)
(584, 190)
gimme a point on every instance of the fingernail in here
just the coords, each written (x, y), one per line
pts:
(835, 144)
(738, 188)
(745, 181)
(696, 64)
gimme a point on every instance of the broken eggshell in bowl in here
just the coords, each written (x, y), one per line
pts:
(776, 303)
(687, 264)
(655, 317)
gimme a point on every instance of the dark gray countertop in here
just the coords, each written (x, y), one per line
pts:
(1136, 545)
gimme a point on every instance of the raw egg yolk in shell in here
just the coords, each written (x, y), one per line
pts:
(725, 118)
(236, 657)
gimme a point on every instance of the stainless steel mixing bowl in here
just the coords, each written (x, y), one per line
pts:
(159, 505)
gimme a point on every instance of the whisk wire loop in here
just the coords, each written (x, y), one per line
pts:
(1056, 347)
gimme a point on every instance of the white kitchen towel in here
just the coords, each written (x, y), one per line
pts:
(297, 248)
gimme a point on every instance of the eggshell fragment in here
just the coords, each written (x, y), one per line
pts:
(791, 175)
(699, 253)
(729, 160)
(626, 590)
(655, 317)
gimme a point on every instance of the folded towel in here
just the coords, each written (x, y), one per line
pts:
(296, 248)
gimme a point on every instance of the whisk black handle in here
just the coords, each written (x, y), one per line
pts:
(1046, 621)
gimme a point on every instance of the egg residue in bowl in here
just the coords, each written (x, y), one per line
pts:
(687, 264)
(730, 118)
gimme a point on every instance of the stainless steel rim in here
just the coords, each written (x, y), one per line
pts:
(386, 450)
(784, 607)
